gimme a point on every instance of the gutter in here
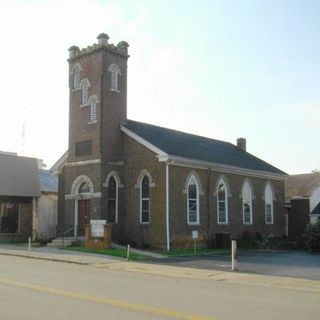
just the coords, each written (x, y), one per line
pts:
(167, 207)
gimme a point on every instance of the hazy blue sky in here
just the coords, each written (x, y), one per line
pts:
(222, 69)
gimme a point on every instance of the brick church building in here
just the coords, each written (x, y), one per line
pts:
(154, 185)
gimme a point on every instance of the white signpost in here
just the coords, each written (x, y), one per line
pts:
(195, 236)
(97, 228)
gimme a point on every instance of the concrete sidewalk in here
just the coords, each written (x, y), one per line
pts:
(55, 254)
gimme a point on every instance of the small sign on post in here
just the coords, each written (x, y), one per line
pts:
(234, 255)
(195, 236)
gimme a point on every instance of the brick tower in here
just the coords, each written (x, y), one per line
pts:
(98, 104)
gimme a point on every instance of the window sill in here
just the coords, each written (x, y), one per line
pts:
(248, 223)
(144, 223)
(223, 223)
(93, 122)
(113, 90)
(84, 105)
(193, 224)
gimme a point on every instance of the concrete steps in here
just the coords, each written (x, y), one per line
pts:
(58, 242)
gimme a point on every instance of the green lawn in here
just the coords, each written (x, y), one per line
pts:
(110, 252)
(199, 252)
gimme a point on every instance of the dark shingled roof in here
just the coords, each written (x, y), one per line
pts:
(48, 181)
(18, 176)
(181, 144)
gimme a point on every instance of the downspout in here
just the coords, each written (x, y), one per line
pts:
(167, 207)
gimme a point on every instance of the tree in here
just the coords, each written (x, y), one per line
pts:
(313, 241)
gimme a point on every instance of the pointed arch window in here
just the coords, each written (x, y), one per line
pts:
(193, 201)
(112, 200)
(268, 198)
(84, 91)
(222, 202)
(247, 203)
(115, 72)
(145, 199)
(76, 76)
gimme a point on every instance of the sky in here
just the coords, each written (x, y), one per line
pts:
(218, 68)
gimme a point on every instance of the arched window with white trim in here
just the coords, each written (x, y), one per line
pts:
(222, 202)
(145, 199)
(84, 91)
(247, 203)
(115, 73)
(112, 200)
(193, 201)
(268, 198)
(76, 76)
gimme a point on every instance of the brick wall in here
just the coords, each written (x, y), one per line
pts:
(209, 227)
(139, 158)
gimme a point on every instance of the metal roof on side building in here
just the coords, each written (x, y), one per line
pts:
(48, 181)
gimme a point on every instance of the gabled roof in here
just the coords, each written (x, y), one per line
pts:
(18, 176)
(48, 181)
(189, 146)
(56, 167)
(302, 185)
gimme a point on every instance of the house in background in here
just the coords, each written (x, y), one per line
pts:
(302, 202)
(28, 199)
(46, 205)
(19, 189)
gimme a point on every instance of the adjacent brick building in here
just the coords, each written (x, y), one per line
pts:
(154, 185)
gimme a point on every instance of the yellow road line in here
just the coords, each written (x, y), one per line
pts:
(105, 301)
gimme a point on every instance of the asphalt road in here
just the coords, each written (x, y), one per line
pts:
(298, 264)
(35, 289)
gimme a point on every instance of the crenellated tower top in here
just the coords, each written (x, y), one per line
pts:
(103, 43)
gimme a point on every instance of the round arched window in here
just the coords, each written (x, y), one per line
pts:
(84, 188)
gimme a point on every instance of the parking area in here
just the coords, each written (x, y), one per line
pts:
(281, 263)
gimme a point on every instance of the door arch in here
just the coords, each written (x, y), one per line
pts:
(82, 189)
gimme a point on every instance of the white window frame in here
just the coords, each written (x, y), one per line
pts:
(246, 187)
(268, 198)
(192, 180)
(93, 111)
(76, 76)
(114, 77)
(144, 199)
(221, 181)
(117, 198)
(84, 85)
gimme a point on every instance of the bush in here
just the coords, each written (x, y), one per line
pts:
(249, 240)
(313, 238)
